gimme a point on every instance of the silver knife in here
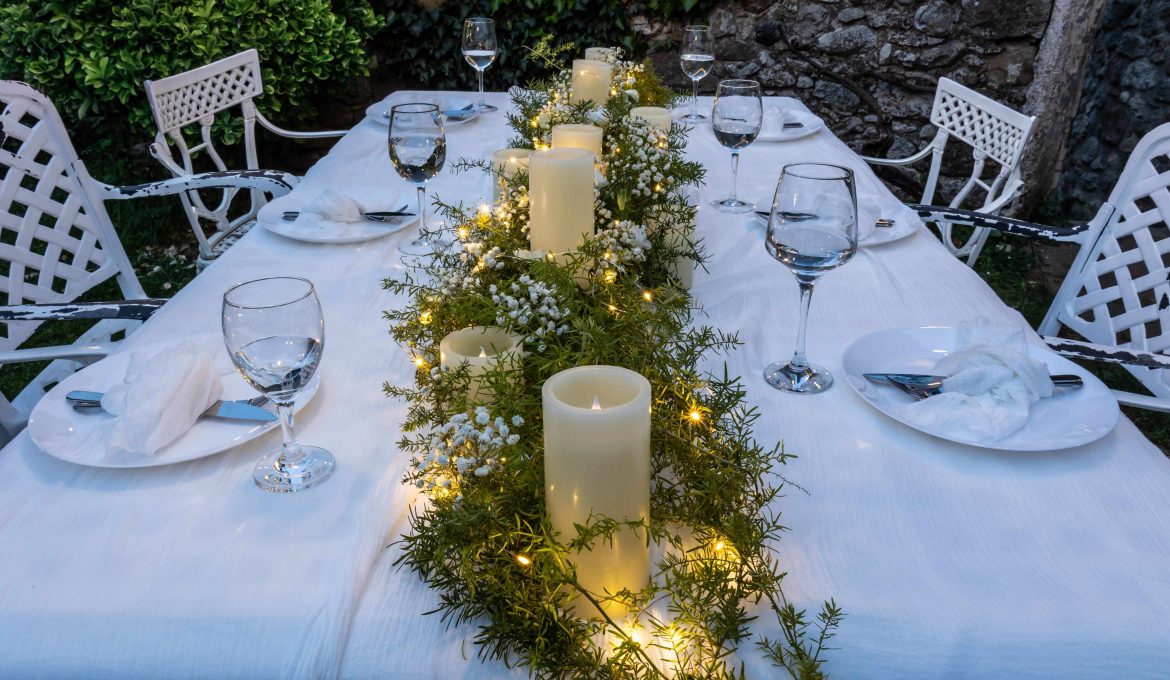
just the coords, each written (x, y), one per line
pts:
(932, 383)
(384, 216)
(232, 410)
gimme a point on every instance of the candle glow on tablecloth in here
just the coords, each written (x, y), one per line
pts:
(505, 164)
(591, 80)
(560, 199)
(481, 348)
(574, 136)
(597, 462)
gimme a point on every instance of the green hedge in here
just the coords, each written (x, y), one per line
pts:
(91, 56)
(422, 37)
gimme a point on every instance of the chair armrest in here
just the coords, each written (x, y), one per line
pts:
(272, 181)
(1008, 225)
(1006, 197)
(899, 161)
(84, 353)
(1126, 356)
(130, 309)
(292, 134)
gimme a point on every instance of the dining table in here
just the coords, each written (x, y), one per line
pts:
(949, 560)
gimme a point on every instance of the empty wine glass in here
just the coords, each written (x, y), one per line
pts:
(736, 119)
(698, 58)
(418, 149)
(812, 228)
(479, 49)
(275, 334)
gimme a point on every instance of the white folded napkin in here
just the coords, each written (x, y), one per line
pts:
(992, 385)
(774, 119)
(330, 211)
(159, 399)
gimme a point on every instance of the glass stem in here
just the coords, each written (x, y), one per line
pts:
(480, 72)
(694, 97)
(291, 454)
(734, 177)
(799, 362)
(422, 210)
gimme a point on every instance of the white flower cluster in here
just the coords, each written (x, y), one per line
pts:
(530, 307)
(472, 253)
(625, 243)
(512, 208)
(465, 445)
(645, 162)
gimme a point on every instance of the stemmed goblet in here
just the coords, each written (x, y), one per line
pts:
(275, 334)
(697, 59)
(736, 118)
(479, 49)
(812, 229)
(418, 149)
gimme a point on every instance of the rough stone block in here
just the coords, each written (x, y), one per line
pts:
(936, 18)
(850, 14)
(836, 95)
(847, 40)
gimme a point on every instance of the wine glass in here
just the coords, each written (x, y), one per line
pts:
(698, 58)
(812, 228)
(418, 149)
(479, 49)
(736, 119)
(275, 335)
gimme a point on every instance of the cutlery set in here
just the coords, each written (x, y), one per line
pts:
(921, 386)
(244, 409)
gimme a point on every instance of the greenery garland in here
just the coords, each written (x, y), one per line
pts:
(480, 538)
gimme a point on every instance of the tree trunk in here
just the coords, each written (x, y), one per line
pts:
(1055, 93)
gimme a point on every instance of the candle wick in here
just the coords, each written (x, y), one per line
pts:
(596, 403)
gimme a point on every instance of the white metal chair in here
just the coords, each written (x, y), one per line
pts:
(993, 131)
(185, 107)
(57, 242)
(1116, 295)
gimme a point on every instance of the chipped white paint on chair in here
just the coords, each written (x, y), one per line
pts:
(56, 240)
(185, 107)
(993, 131)
(1117, 293)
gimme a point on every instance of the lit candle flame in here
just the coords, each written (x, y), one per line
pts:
(482, 352)
(596, 403)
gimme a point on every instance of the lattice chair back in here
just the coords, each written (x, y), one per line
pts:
(1118, 291)
(56, 239)
(185, 107)
(994, 132)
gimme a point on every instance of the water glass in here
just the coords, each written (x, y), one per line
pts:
(697, 58)
(736, 118)
(418, 149)
(812, 229)
(275, 334)
(479, 49)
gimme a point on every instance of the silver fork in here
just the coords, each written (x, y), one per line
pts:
(916, 391)
(84, 405)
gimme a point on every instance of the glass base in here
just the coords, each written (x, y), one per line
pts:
(420, 247)
(485, 108)
(808, 380)
(313, 469)
(732, 205)
(694, 118)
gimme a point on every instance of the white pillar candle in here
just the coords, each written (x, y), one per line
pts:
(574, 136)
(560, 199)
(480, 348)
(505, 164)
(591, 80)
(655, 115)
(597, 462)
(598, 53)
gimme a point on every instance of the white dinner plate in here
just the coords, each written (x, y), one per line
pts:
(809, 124)
(53, 423)
(354, 232)
(379, 112)
(1071, 417)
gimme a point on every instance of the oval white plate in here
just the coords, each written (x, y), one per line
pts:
(810, 124)
(865, 228)
(54, 423)
(354, 232)
(379, 112)
(905, 224)
(1069, 418)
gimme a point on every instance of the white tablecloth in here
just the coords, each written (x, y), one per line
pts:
(951, 561)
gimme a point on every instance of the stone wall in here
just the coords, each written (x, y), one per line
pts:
(1126, 94)
(870, 68)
